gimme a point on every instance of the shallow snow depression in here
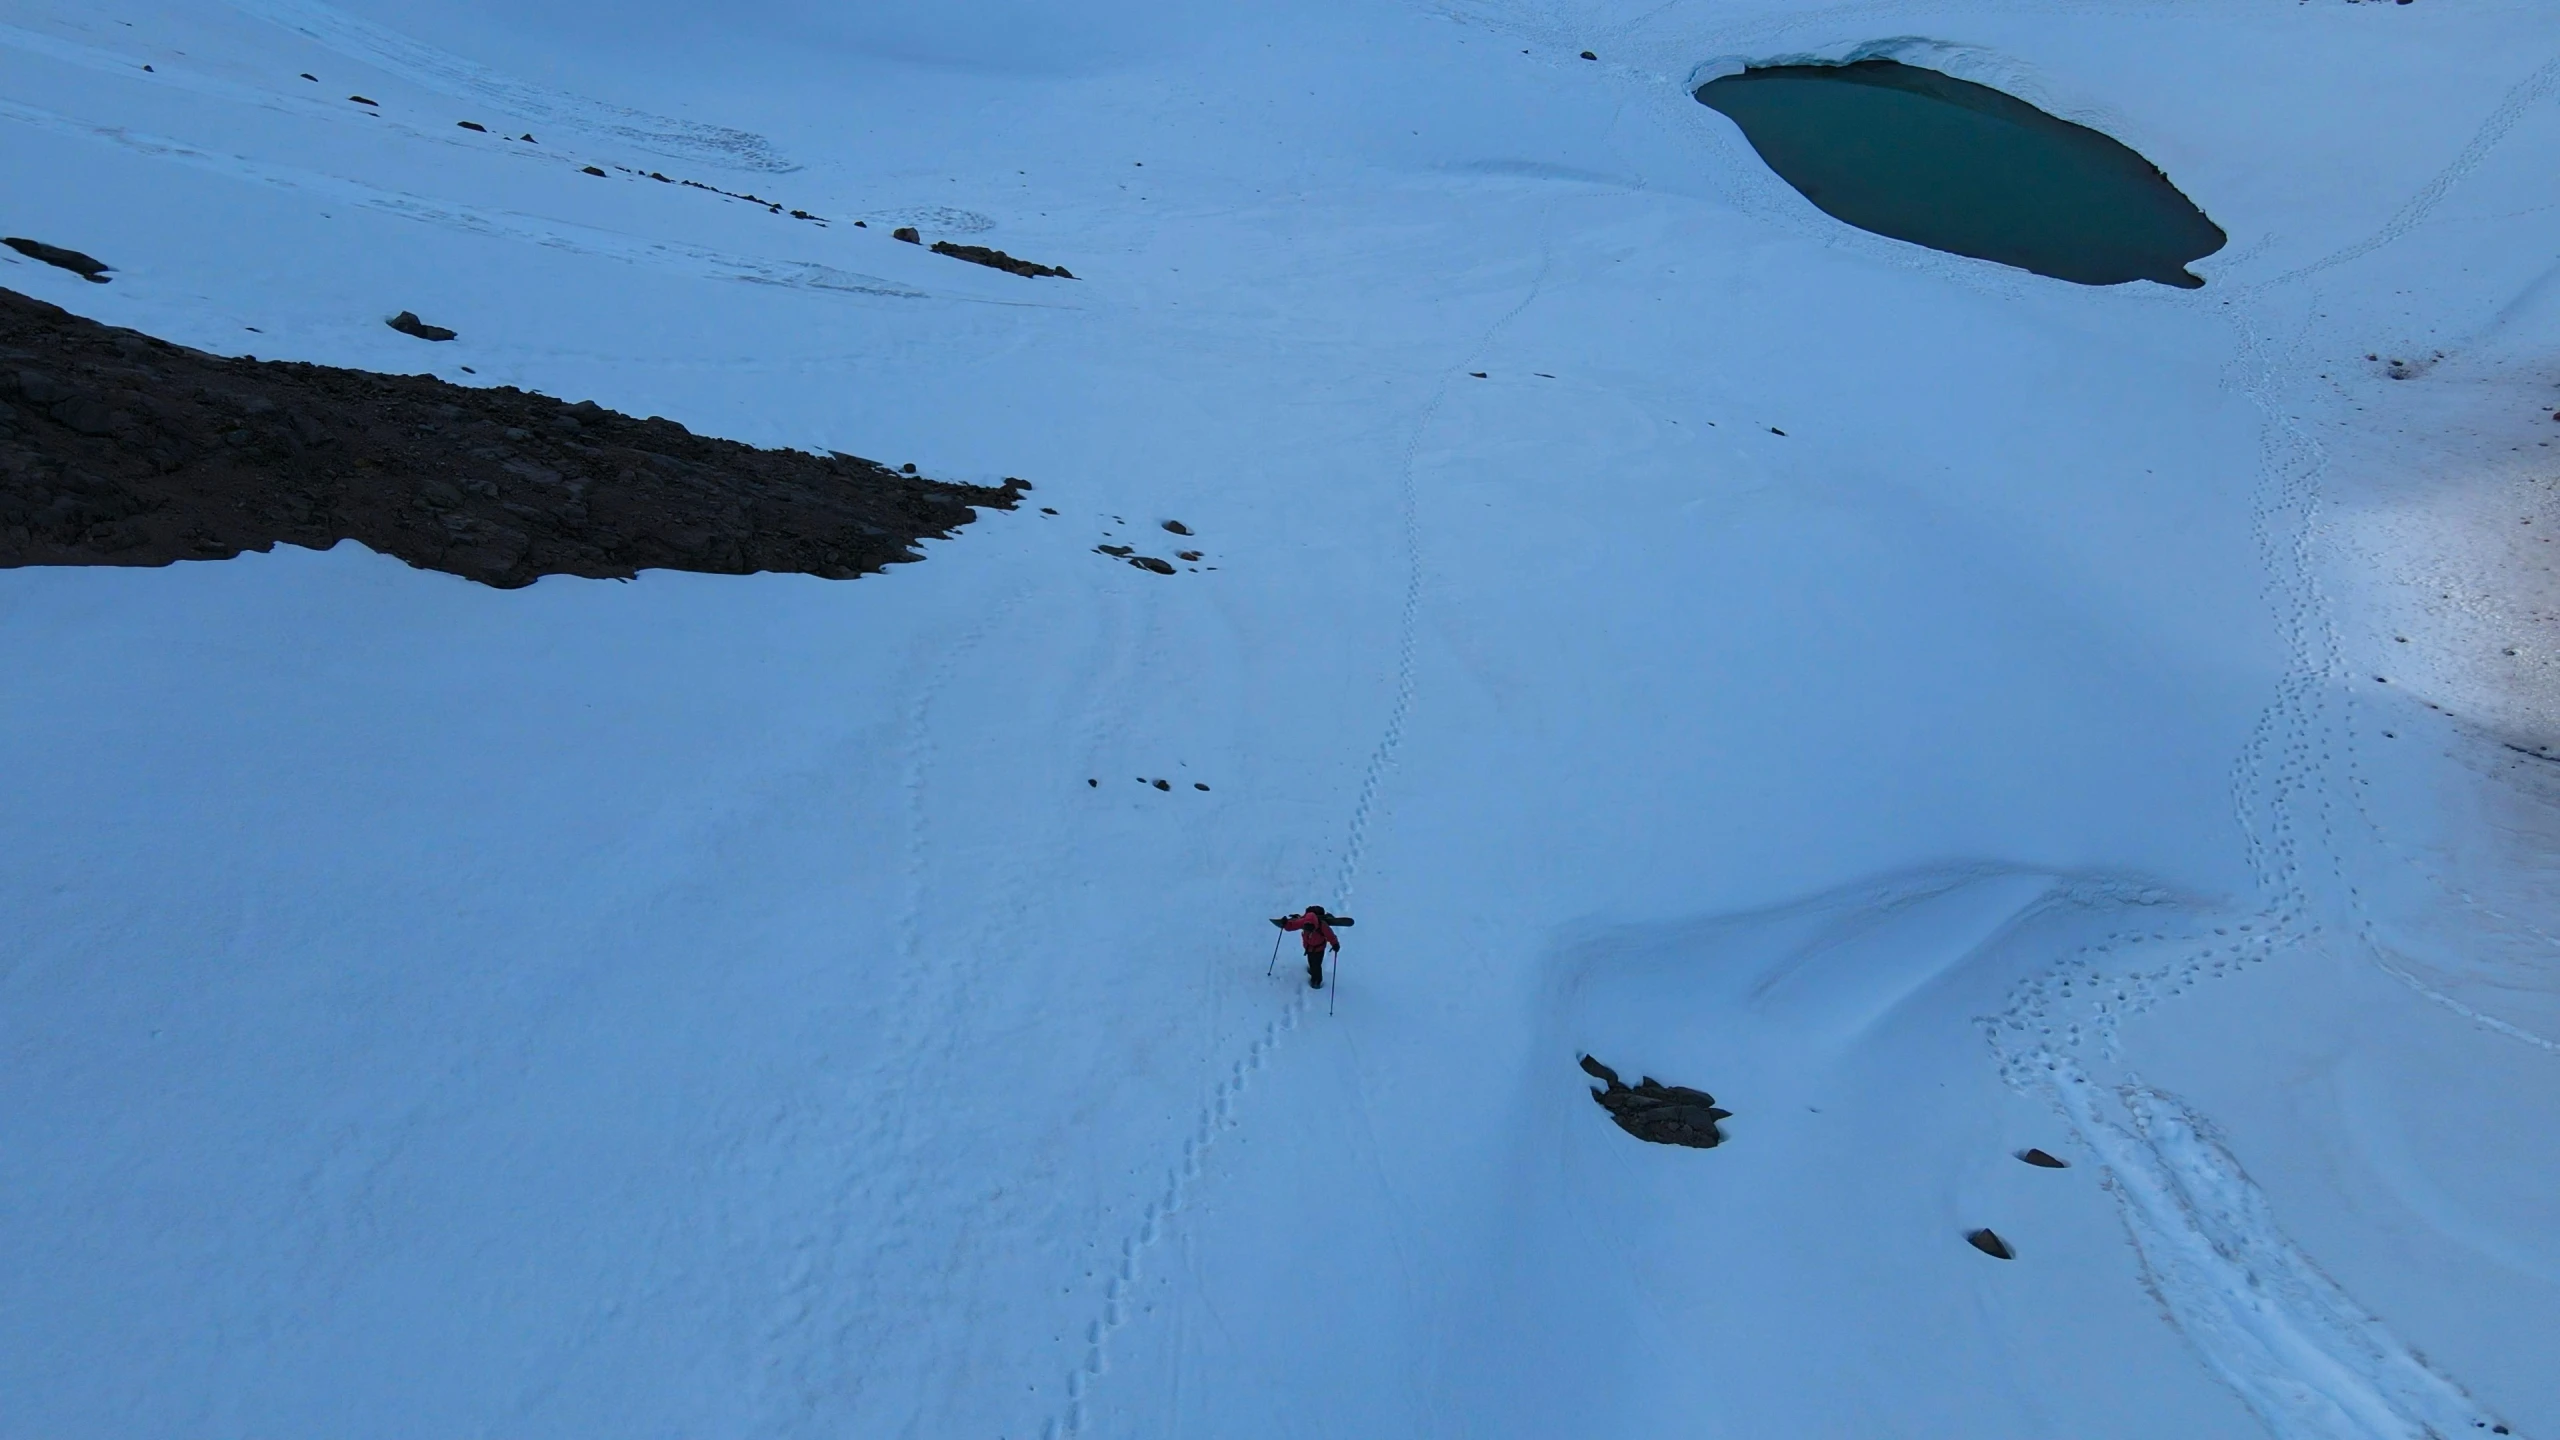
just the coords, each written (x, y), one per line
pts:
(1942, 711)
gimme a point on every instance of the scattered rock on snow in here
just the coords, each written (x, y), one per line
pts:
(86, 267)
(472, 125)
(1161, 784)
(1149, 562)
(408, 323)
(1991, 1244)
(1663, 1114)
(2040, 1158)
(908, 234)
(1177, 527)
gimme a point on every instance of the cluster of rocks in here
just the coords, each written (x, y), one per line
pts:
(981, 255)
(120, 449)
(1651, 1110)
(1152, 563)
(998, 260)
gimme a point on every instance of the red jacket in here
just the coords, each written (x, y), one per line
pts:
(1318, 934)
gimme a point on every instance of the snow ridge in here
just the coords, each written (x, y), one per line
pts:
(434, 69)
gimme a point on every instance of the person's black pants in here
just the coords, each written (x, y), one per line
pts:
(1315, 969)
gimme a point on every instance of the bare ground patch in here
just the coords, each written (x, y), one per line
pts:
(120, 449)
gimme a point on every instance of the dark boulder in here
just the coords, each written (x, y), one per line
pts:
(1663, 1114)
(408, 323)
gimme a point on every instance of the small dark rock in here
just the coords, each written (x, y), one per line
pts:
(360, 100)
(1587, 55)
(908, 234)
(472, 125)
(1122, 551)
(1477, 373)
(1598, 1071)
(408, 323)
(1991, 1245)
(1774, 430)
(1161, 784)
(1196, 785)
(528, 139)
(590, 170)
(1149, 562)
(1045, 510)
(86, 267)
(1186, 554)
(2040, 1158)
(1177, 527)
(1094, 783)
(314, 79)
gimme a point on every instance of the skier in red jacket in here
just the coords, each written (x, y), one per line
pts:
(1315, 931)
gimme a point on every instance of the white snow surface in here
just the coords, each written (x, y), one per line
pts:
(719, 1006)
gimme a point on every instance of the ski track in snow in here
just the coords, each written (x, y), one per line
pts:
(1218, 1114)
(2309, 1361)
(429, 68)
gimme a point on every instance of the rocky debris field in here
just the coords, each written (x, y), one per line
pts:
(998, 260)
(1651, 1110)
(120, 449)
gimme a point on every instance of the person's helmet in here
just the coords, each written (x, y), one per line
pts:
(1314, 910)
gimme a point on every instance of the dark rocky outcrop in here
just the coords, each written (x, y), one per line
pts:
(995, 259)
(119, 449)
(1990, 1244)
(1651, 1110)
(2043, 1160)
(87, 267)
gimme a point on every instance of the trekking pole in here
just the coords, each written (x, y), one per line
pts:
(1275, 955)
(1336, 997)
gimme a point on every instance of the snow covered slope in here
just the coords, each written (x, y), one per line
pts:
(1938, 710)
